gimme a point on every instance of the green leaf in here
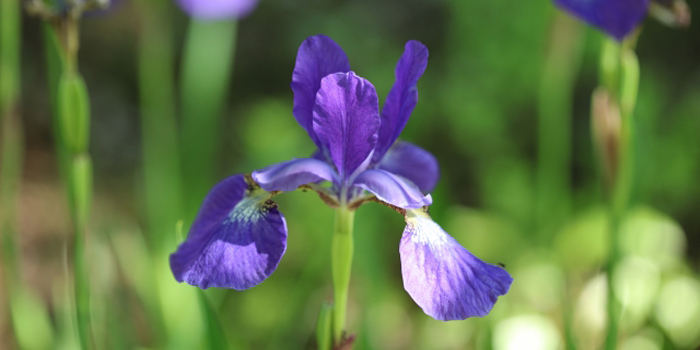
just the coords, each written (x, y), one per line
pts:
(214, 332)
(30, 320)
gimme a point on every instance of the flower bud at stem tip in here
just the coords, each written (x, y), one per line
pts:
(606, 129)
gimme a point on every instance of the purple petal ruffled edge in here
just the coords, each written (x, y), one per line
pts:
(318, 56)
(236, 241)
(443, 278)
(413, 163)
(392, 189)
(617, 18)
(288, 176)
(403, 95)
(346, 120)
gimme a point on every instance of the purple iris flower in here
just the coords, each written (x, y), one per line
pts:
(618, 18)
(218, 9)
(239, 235)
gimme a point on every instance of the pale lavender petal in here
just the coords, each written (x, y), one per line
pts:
(288, 176)
(392, 189)
(618, 18)
(403, 95)
(236, 241)
(318, 57)
(346, 120)
(443, 278)
(412, 162)
(218, 9)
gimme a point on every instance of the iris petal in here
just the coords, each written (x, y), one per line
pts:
(346, 120)
(288, 176)
(218, 9)
(392, 189)
(403, 95)
(412, 162)
(236, 241)
(443, 278)
(617, 18)
(318, 57)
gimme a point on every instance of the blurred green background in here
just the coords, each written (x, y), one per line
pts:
(478, 109)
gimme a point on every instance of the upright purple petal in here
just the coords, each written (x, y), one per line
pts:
(412, 162)
(618, 18)
(218, 9)
(392, 189)
(403, 95)
(346, 120)
(442, 277)
(318, 57)
(236, 241)
(288, 176)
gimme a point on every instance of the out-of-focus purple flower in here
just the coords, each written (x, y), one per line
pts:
(218, 9)
(239, 236)
(618, 18)
(88, 8)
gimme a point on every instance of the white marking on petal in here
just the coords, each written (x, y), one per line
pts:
(251, 208)
(424, 229)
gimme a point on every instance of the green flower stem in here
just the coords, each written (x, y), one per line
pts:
(54, 66)
(161, 157)
(10, 177)
(162, 174)
(324, 338)
(609, 78)
(72, 117)
(613, 307)
(11, 141)
(10, 27)
(206, 71)
(11, 137)
(215, 337)
(80, 188)
(561, 66)
(609, 74)
(620, 75)
(341, 265)
(629, 87)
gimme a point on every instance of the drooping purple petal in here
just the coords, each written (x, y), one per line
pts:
(618, 18)
(403, 95)
(288, 176)
(318, 57)
(236, 241)
(392, 189)
(412, 162)
(218, 9)
(443, 278)
(346, 120)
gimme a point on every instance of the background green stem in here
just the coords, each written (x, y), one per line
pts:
(324, 328)
(71, 122)
(613, 307)
(561, 66)
(162, 182)
(341, 265)
(11, 143)
(161, 157)
(620, 76)
(206, 71)
(11, 136)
